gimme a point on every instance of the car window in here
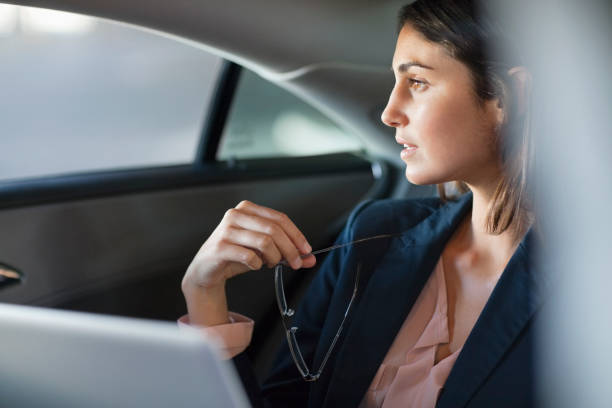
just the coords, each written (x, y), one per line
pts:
(83, 94)
(268, 121)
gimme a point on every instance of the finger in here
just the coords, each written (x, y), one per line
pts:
(240, 255)
(287, 248)
(293, 232)
(255, 240)
(309, 261)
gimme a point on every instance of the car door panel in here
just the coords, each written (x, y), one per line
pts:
(72, 247)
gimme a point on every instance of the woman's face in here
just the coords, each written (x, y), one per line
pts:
(433, 107)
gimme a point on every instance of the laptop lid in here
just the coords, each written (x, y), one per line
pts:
(65, 359)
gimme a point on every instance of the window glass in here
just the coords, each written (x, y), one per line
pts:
(268, 121)
(82, 94)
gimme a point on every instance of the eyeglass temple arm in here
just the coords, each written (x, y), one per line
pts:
(331, 248)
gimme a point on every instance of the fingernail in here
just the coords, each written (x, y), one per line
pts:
(297, 263)
(307, 248)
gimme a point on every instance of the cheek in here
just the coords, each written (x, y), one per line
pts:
(437, 127)
(451, 128)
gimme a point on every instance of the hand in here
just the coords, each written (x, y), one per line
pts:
(248, 237)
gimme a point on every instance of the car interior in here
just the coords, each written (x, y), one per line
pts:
(129, 128)
(117, 239)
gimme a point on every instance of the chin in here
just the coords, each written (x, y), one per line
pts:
(420, 175)
(420, 179)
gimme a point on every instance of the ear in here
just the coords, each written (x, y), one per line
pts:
(520, 81)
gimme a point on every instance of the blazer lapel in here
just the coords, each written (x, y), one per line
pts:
(517, 295)
(387, 298)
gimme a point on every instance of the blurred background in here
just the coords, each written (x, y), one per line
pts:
(567, 46)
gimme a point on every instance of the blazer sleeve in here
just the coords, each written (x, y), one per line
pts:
(285, 386)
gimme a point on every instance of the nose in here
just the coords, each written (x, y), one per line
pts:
(393, 115)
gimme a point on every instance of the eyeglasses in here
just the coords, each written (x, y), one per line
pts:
(287, 313)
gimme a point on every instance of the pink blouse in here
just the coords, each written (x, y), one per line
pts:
(407, 375)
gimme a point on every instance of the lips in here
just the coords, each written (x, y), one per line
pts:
(405, 143)
(409, 148)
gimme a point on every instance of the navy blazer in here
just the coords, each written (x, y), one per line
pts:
(495, 368)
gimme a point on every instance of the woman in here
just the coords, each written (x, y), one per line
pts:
(444, 310)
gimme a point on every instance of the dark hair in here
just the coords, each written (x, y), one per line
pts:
(470, 35)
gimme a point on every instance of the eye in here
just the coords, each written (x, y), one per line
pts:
(417, 84)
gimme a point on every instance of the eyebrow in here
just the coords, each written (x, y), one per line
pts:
(406, 65)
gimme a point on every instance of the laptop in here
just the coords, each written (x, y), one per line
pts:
(52, 358)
